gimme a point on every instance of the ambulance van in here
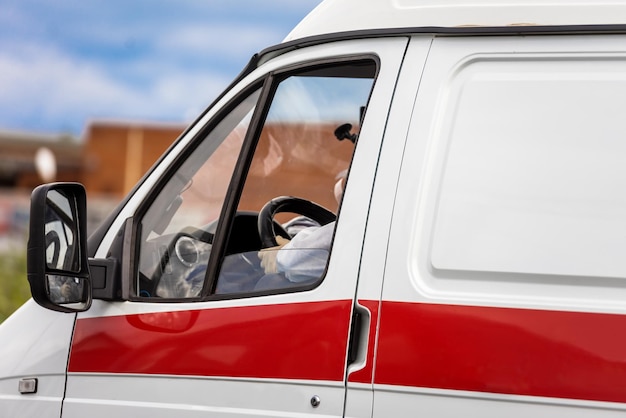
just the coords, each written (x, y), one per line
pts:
(409, 208)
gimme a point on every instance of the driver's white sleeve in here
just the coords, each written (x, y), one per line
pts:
(305, 256)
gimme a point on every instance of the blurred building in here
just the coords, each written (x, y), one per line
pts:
(112, 156)
(17, 158)
(109, 159)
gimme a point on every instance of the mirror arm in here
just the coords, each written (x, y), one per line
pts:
(103, 274)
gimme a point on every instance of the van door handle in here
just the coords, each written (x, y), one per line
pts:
(359, 335)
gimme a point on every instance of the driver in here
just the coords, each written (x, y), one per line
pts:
(302, 259)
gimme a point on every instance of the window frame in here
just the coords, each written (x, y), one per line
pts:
(268, 84)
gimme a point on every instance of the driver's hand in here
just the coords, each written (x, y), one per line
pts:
(268, 255)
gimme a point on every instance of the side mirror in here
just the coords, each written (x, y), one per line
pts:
(57, 265)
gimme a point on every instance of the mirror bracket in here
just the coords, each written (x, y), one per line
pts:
(103, 273)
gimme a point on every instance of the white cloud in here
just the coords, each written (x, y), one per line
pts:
(48, 85)
(63, 63)
(220, 40)
(184, 96)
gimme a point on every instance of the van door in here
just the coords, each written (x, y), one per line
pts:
(234, 303)
(504, 289)
(359, 400)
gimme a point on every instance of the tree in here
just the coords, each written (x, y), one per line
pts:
(14, 289)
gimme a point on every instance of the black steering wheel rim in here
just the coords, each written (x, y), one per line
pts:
(289, 204)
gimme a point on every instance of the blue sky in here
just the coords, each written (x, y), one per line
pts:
(66, 62)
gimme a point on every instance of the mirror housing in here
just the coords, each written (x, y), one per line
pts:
(57, 264)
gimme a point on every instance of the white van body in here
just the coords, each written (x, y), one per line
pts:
(477, 264)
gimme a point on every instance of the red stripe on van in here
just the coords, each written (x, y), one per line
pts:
(511, 351)
(290, 341)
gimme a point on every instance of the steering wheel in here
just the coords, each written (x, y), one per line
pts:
(289, 204)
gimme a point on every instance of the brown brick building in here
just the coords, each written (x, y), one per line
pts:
(17, 158)
(111, 157)
(116, 155)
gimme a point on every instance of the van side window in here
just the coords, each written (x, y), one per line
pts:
(529, 185)
(295, 181)
(288, 173)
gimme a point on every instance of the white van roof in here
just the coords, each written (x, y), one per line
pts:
(335, 16)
